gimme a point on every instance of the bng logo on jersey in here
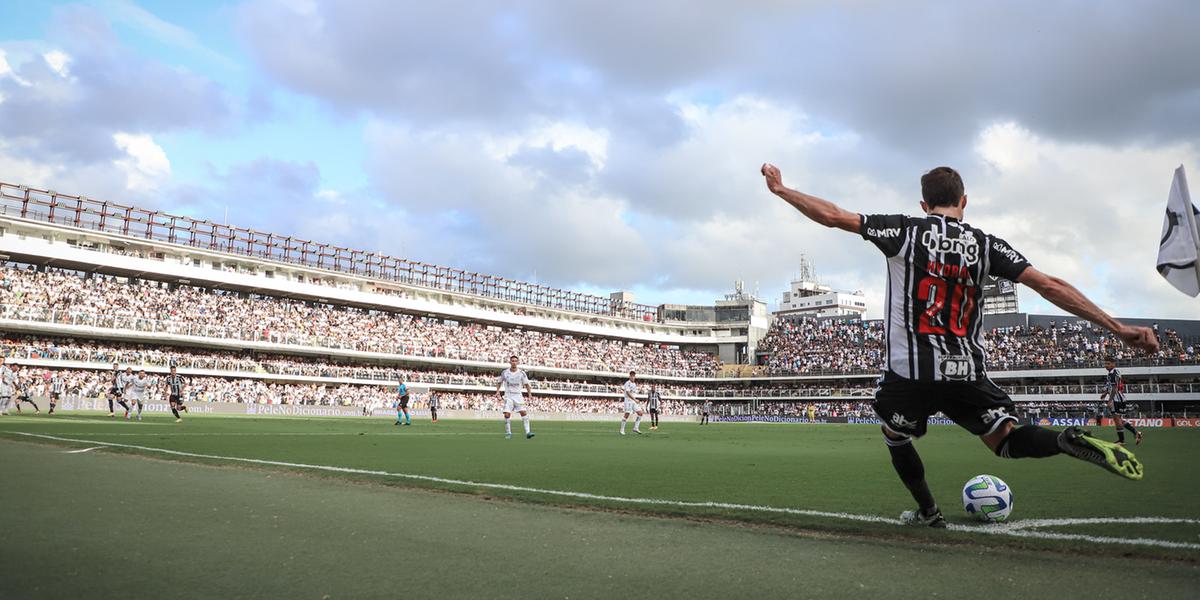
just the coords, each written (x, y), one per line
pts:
(965, 246)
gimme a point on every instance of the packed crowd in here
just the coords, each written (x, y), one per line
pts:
(97, 384)
(101, 355)
(68, 297)
(1076, 344)
(813, 346)
(823, 346)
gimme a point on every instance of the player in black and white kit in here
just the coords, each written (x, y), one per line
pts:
(24, 384)
(116, 390)
(175, 383)
(1114, 393)
(58, 386)
(434, 404)
(654, 405)
(705, 411)
(935, 362)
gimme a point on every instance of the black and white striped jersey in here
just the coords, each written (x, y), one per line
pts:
(175, 385)
(933, 315)
(1114, 384)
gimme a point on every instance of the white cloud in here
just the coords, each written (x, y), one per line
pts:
(1088, 212)
(59, 61)
(146, 166)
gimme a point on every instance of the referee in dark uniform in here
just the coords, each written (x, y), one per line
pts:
(175, 383)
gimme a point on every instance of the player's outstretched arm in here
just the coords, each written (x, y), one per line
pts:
(1065, 296)
(819, 210)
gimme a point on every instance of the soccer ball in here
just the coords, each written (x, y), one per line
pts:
(987, 498)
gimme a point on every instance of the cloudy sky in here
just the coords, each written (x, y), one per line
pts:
(615, 145)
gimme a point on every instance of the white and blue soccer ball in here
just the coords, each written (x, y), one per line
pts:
(988, 498)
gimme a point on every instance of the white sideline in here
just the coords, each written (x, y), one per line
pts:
(1026, 529)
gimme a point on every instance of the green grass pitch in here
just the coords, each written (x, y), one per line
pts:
(331, 506)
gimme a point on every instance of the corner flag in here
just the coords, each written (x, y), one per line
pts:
(1178, 262)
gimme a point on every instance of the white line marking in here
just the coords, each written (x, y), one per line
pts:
(276, 433)
(84, 450)
(80, 421)
(1024, 529)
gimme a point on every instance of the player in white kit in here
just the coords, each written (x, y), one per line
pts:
(135, 390)
(8, 386)
(512, 380)
(631, 404)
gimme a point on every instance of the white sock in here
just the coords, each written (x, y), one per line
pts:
(623, 421)
(637, 422)
(525, 420)
(508, 426)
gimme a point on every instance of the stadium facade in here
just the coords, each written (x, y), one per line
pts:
(43, 231)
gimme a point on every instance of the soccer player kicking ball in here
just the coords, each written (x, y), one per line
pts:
(402, 416)
(935, 354)
(511, 380)
(1114, 392)
(631, 405)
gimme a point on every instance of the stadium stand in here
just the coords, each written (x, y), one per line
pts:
(229, 306)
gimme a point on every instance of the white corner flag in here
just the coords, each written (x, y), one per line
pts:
(1178, 250)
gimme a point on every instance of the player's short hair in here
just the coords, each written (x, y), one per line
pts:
(632, 373)
(941, 186)
(512, 357)
(1109, 359)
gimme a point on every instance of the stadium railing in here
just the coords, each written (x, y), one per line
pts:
(81, 212)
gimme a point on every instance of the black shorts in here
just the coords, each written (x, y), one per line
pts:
(1120, 407)
(173, 399)
(654, 411)
(905, 405)
(404, 401)
(114, 392)
(54, 395)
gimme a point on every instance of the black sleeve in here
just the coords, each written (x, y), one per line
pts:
(1004, 261)
(887, 232)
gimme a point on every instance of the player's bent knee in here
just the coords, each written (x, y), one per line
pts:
(895, 438)
(995, 439)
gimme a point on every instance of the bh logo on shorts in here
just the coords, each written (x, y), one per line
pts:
(899, 421)
(993, 414)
